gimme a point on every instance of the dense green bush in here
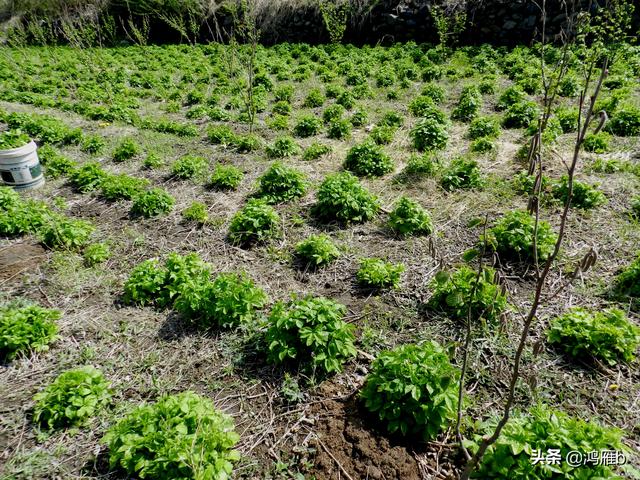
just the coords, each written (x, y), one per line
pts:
(96, 253)
(281, 183)
(315, 151)
(368, 159)
(434, 91)
(484, 127)
(510, 96)
(221, 135)
(391, 118)
(341, 197)
(307, 126)
(332, 113)
(88, 177)
(625, 122)
(568, 118)
(180, 436)
(540, 430)
(584, 196)
(152, 203)
(463, 294)
(597, 143)
(358, 118)
(122, 187)
(483, 145)
(424, 107)
(283, 147)
(461, 173)
(196, 212)
(383, 134)
(317, 250)
(73, 398)
(520, 115)
(226, 177)
(607, 335)
(55, 164)
(247, 143)
(429, 134)
(512, 236)
(257, 221)
(227, 301)
(413, 390)
(627, 282)
(189, 166)
(426, 164)
(312, 332)
(339, 129)
(93, 144)
(410, 218)
(145, 283)
(468, 105)
(315, 98)
(26, 329)
(152, 160)
(376, 273)
(65, 233)
(126, 150)
(13, 139)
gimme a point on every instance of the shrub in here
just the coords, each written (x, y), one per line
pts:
(152, 161)
(95, 253)
(282, 108)
(525, 183)
(55, 164)
(315, 151)
(221, 135)
(228, 301)
(391, 119)
(13, 139)
(315, 98)
(73, 398)
(569, 86)
(278, 122)
(346, 99)
(311, 331)
(543, 429)
(152, 203)
(461, 173)
(409, 218)
(145, 283)
(483, 145)
(376, 273)
(383, 134)
(196, 212)
(413, 390)
(625, 122)
(332, 113)
(568, 118)
(426, 164)
(281, 183)
(512, 236)
(551, 132)
(520, 115)
(283, 147)
(26, 329)
(627, 282)
(429, 134)
(341, 197)
(468, 104)
(92, 144)
(368, 159)
(458, 295)
(88, 177)
(226, 177)
(584, 196)
(189, 166)
(484, 127)
(339, 129)
(284, 93)
(257, 221)
(126, 150)
(67, 233)
(307, 126)
(122, 187)
(424, 107)
(607, 335)
(179, 436)
(433, 91)
(358, 118)
(317, 250)
(597, 143)
(510, 96)
(247, 143)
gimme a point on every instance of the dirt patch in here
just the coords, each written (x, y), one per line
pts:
(344, 438)
(19, 259)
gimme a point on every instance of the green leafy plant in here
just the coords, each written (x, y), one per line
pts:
(368, 159)
(73, 398)
(315, 98)
(376, 273)
(597, 143)
(96, 253)
(484, 127)
(226, 177)
(55, 164)
(483, 145)
(424, 107)
(145, 283)
(307, 126)
(227, 301)
(339, 129)
(196, 212)
(468, 104)
(412, 389)
(221, 135)
(463, 294)
(152, 160)
(179, 436)
(538, 431)
(512, 95)
(520, 115)
(283, 147)
(461, 173)
(88, 177)
(512, 236)
(433, 91)
(26, 329)
(358, 118)
(247, 143)
(126, 150)
(568, 118)
(315, 151)
(281, 183)
(383, 134)
(122, 187)
(312, 332)
(627, 282)
(257, 221)
(317, 250)
(65, 233)
(409, 218)
(607, 335)
(92, 144)
(426, 164)
(429, 134)
(13, 139)
(625, 122)
(332, 113)
(341, 197)
(152, 203)
(584, 196)
(189, 166)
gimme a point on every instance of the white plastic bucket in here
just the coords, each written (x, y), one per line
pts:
(20, 167)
